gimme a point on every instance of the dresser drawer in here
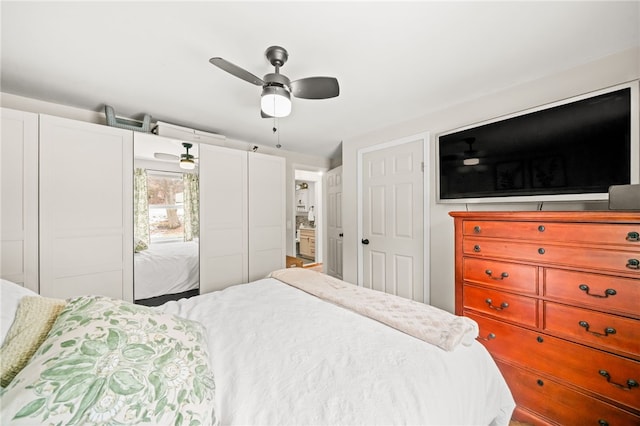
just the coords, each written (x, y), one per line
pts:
(502, 275)
(584, 257)
(602, 292)
(560, 403)
(609, 375)
(506, 306)
(593, 328)
(618, 234)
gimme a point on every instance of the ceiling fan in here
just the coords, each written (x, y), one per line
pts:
(277, 88)
(469, 156)
(187, 161)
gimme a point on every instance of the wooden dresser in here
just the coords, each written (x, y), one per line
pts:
(557, 299)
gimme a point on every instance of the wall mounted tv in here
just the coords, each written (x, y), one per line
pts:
(566, 151)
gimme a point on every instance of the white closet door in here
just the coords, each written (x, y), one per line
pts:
(223, 218)
(267, 244)
(86, 209)
(19, 198)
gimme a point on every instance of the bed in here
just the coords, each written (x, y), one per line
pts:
(166, 271)
(269, 352)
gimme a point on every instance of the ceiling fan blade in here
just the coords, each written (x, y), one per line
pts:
(236, 70)
(315, 88)
(165, 156)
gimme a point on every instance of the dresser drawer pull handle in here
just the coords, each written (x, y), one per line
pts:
(476, 248)
(540, 250)
(541, 228)
(500, 278)
(607, 331)
(476, 229)
(503, 305)
(633, 264)
(490, 336)
(602, 422)
(633, 236)
(628, 386)
(608, 292)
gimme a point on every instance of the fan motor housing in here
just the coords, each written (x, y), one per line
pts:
(277, 79)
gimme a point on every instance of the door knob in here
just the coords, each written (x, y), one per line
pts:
(365, 241)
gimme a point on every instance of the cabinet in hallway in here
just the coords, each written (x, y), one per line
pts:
(308, 243)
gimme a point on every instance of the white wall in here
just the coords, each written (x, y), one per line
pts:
(606, 72)
(294, 160)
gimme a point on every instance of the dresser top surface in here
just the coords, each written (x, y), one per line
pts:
(562, 216)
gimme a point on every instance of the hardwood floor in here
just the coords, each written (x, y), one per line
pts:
(314, 266)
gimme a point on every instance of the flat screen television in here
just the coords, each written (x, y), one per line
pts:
(566, 151)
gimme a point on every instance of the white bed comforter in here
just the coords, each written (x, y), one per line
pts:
(283, 357)
(166, 269)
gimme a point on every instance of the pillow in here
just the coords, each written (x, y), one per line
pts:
(111, 362)
(34, 318)
(10, 295)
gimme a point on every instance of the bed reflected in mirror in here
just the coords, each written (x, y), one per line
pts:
(166, 221)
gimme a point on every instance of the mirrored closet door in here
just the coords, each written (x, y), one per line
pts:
(166, 219)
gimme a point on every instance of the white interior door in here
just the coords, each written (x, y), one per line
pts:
(333, 181)
(19, 198)
(86, 209)
(224, 251)
(267, 215)
(392, 239)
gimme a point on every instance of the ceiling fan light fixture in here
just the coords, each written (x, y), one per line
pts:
(186, 159)
(187, 164)
(275, 101)
(474, 161)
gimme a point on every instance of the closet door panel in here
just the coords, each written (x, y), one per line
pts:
(86, 209)
(267, 244)
(223, 212)
(19, 197)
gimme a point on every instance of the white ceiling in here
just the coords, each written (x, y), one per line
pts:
(394, 61)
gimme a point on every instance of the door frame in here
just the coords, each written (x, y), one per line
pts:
(426, 192)
(315, 174)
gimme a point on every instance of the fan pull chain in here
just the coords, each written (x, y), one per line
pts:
(275, 129)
